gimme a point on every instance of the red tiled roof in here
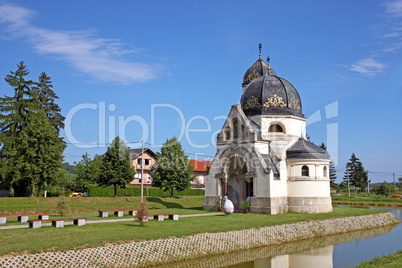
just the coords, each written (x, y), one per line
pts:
(200, 165)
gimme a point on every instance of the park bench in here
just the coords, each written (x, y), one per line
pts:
(117, 212)
(58, 223)
(161, 217)
(23, 217)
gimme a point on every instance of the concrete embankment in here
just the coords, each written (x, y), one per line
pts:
(396, 205)
(173, 249)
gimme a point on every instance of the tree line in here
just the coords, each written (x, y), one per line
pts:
(172, 172)
(31, 149)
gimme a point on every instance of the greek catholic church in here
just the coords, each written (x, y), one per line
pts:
(263, 155)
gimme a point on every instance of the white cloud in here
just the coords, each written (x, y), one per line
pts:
(97, 57)
(394, 8)
(368, 67)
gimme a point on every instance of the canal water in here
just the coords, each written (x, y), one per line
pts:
(332, 251)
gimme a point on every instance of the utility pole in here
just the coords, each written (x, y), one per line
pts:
(142, 173)
(368, 185)
(393, 175)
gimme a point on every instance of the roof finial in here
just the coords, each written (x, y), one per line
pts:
(259, 47)
(268, 59)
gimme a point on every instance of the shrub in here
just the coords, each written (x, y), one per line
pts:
(384, 188)
(62, 205)
(245, 205)
(98, 191)
(142, 213)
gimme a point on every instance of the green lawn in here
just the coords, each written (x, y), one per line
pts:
(92, 235)
(393, 260)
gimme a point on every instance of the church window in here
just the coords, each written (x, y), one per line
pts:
(325, 171)
(275, 128)
(305, 171)
(236, 128)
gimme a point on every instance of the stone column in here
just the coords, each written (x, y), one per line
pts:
(225, 180)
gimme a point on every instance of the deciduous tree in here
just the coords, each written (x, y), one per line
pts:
(116, 168)
(172, 171)
(88, 172)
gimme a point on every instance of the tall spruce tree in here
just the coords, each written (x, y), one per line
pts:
(40, 152)
(356, 174)
(23, 129)
(46, 98)
(172, 171)
(116, 168)
(332, 170)
(14, 113)
(16, 109)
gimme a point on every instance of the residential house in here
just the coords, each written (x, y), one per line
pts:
(200, 169)
(149, 160)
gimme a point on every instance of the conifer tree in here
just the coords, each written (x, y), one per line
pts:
(39, 152)
(116, 168)
(46, 98)
(30, 151)
(332, 170)
(15, 110)
(355, 173)
(172, 171)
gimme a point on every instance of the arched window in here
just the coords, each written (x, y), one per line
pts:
(325, 171)
(305, 171)
(275, 128)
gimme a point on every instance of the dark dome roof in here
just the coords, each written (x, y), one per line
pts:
(271, 95)
(303, 149)
(259, 68)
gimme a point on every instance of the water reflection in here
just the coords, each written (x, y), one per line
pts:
(307, 253)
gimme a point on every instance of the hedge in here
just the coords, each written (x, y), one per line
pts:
(98, 191)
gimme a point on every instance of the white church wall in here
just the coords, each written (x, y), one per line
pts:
(310, 188)
(211, 186)
(292, 125)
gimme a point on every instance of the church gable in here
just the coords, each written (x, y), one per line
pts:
(237, 127)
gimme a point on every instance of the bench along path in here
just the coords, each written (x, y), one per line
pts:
(58, 223)
(23, 217)
(108, 221)
(117, 212)
(161, 217)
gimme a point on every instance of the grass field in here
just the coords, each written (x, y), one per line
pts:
(91, 235)
(390, 261)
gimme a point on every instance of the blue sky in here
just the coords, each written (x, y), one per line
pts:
(157, 69)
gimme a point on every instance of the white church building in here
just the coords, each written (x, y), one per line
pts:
(263, 155)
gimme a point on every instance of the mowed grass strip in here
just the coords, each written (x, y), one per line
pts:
(18, 241)
(393, 260)
(15, 205)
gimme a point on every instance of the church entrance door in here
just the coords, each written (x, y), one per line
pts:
(236, 187)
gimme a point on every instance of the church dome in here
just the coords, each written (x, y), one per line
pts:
(269, 94)
(258, 69)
